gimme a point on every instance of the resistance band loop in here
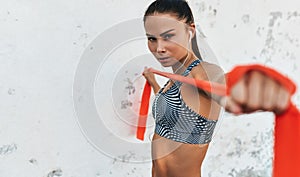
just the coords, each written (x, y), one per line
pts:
(287, 125)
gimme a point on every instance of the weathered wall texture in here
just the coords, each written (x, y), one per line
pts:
(42, 42)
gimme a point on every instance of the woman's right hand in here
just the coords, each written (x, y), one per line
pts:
(149, 76)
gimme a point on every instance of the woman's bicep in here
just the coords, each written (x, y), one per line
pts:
(212, 73)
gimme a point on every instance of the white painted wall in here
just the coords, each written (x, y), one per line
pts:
(42, 42)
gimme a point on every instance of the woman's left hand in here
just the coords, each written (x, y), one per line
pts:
(256, 91)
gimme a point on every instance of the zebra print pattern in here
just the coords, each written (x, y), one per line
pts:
(176, 121)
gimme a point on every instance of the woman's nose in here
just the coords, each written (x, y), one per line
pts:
(160, 47)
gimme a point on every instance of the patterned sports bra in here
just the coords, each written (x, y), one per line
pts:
(176, 121)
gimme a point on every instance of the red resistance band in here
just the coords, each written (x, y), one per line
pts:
(287, 125)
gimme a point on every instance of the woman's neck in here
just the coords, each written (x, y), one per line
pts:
(183, 63)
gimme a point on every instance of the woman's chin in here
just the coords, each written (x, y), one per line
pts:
(166, 64)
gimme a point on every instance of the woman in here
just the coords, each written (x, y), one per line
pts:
(186, 116)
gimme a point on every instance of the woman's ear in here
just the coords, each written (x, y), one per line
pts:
(192, 30)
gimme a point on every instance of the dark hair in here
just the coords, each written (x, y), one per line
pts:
(182, 11)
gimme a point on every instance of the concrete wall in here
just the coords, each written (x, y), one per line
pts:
(42, 46)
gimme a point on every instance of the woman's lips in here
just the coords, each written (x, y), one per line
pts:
(165, 59)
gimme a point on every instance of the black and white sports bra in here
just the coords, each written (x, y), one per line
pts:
(176, 121)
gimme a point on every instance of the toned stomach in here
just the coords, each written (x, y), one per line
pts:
(175, 159)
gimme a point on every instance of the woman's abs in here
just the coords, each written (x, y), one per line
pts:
(174, 159)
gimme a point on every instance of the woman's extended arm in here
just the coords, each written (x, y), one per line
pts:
(254, 91)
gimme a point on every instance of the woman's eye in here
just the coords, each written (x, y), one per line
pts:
(151, 39)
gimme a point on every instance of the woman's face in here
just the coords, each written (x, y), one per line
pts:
(168, 38)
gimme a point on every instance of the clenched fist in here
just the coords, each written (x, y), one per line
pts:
(256, 91)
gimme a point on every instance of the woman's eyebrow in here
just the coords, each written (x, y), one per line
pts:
(149, 35)
(162, 34)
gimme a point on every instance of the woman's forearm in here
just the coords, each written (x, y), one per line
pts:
(155, 87)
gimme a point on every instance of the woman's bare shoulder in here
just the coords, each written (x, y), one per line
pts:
(209, 71)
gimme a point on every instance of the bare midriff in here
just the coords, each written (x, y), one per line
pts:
(175, 159)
